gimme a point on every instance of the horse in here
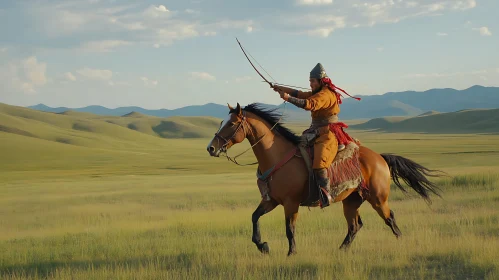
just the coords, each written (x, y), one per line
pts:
(271, 142)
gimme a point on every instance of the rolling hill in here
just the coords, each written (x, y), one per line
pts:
(408, 103)
(463, 121)
(89, 130)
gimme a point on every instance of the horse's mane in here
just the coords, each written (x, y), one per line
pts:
(272, 117)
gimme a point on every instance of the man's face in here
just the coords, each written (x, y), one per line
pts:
(315, 85)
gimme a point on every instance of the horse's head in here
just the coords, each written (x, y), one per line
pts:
(232, 131)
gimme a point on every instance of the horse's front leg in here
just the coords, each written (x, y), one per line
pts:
(262, 209)
(291, 215)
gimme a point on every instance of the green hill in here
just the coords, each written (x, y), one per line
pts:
(172, 127)
(464, 121)
(54, 145)
(88, 130)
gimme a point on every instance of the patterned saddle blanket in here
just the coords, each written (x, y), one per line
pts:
(344, 173)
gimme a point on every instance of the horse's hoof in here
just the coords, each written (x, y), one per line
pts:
(290, 253)
(344, 247)
(265, 248)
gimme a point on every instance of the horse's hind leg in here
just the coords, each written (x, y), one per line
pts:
(291, 215)
(351, 206)
(381, 206)
(262, 209)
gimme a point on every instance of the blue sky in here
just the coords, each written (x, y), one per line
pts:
(169, 54)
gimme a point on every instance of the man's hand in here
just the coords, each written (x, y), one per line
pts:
(281, 92)
(284, 95)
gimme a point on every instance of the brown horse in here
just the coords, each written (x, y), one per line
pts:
(271, 142)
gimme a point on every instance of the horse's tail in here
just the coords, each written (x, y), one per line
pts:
(413, 174)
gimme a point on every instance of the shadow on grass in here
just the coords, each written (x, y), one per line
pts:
(435, 267)
(183, 261)
(299, 271)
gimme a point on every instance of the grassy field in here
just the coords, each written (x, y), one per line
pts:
(137, 206)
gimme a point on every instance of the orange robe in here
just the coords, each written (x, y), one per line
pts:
(322, 105)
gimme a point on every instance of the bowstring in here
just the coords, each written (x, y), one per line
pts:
(259, 65)
(275, 81)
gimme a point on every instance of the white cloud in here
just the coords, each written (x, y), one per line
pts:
(370, 13)
(156, 12)
(314, 2)
(148, 82)
(112, 24)
(69, 76)
(35, 71)
(131, 26)
(2, 50)
(380, 49)
(484, 31)
(442, 34)
(314, 25)
(95, 74)
(24, 76)
(202, 76)
(157, 25)
(228, 24)
(166, 36)
(321, 32)
(464, 5)
(103, 46)
(436, 7)
(161, 8)
(61, 22)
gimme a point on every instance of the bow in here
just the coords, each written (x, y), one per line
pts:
(265, 80)
(271, 85)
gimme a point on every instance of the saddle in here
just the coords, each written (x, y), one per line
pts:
(343, 173)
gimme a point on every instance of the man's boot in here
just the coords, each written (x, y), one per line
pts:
(323, 184)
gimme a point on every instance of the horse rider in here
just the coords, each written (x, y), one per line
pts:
(327, 133)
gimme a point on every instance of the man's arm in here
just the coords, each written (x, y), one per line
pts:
(320, 100)
(298, 102)
(295, 93)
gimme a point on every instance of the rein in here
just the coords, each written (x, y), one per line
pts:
(242, 124)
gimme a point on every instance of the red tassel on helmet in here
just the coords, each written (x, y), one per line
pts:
(333, 88)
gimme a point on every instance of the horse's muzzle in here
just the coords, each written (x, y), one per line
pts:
(212, 151)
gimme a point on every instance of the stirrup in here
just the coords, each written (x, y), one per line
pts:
(325, 194)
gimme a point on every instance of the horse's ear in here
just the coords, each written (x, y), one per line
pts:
(239, 111)
(230, 107)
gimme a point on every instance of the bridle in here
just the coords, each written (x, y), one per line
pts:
(242, 125)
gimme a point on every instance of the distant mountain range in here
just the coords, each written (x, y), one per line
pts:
(407, 103)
